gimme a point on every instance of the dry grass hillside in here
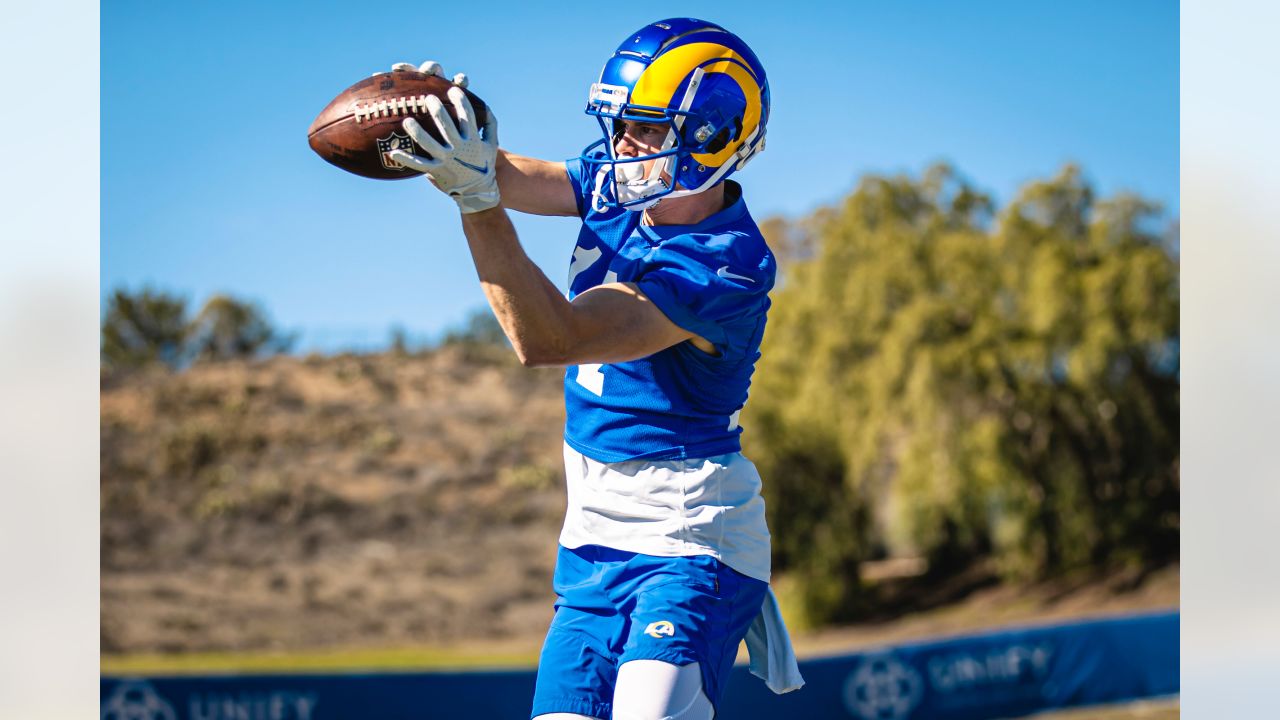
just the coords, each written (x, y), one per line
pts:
(347, 500)
(393, 501)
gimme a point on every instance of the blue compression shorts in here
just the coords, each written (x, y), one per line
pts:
(616, 606)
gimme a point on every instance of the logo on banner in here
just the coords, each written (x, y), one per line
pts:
(278, 705)
(1002, 668)
(883, 688)
(136, 700)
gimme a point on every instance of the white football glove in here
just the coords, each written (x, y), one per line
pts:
(465, 165)
(431, 67)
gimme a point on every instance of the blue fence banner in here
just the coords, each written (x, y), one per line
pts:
(996, 675)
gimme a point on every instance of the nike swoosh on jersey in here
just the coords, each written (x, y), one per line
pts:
(724, 273)
(482, 170)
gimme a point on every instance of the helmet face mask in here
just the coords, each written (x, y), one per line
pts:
(624, 176)
(699, 80)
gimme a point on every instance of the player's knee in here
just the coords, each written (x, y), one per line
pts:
(656, 690)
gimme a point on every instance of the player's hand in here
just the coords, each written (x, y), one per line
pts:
(465, 165)
(431, 67)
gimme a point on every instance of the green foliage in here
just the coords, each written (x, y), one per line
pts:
(480, 329)
(152, 327)
(227, 328)
(399, 341)
(480, 339)
(142, 328)
(941, 380)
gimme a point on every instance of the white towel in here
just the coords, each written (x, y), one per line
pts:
(769, 647)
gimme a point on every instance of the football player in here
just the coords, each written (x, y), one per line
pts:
(663, 564)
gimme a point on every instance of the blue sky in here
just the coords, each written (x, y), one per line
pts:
(208, 184)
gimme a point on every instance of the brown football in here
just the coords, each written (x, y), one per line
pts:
(361, 125)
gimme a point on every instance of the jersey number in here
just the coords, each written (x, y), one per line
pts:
(591, 377)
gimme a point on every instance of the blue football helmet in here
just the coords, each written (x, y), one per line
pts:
(699, 80)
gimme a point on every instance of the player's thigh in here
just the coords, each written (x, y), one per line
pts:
(576, 669)
(566, 716)
(658, 690)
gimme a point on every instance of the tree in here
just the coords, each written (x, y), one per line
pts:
(142, 328)
(940, 379)
(151, 326)
(399, 341)
(480, 329)
(226, 328)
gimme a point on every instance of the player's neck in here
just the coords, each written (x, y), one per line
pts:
(688, 210)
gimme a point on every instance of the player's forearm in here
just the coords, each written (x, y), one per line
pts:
(533, 314)
(537, 187)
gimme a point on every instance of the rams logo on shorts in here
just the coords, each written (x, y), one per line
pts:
(660, 628)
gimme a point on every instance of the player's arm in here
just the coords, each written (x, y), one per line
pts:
(613, 323)
(537, 187)
(529, 185)
(607, 324)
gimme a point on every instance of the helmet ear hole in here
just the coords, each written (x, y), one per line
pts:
(722, 138)
(718, 143)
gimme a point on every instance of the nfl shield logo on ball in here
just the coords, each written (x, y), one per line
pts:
(394, 141)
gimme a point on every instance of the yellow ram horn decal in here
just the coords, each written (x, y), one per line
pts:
(658, 84)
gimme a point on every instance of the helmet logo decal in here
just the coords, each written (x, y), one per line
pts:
(667, 71)
(659, 82)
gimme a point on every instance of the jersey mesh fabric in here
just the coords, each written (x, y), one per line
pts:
(713, 279)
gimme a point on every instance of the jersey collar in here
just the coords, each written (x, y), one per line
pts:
(735, 212)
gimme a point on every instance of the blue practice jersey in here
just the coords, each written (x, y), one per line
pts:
(712, 279)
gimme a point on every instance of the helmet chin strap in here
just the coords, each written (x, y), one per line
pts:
(631, 183)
